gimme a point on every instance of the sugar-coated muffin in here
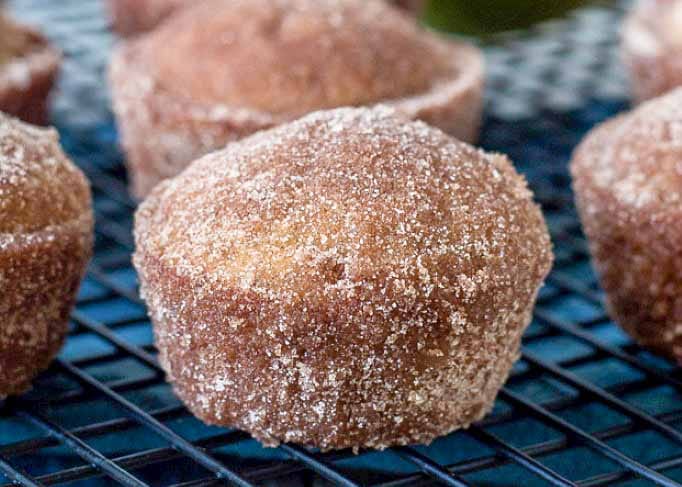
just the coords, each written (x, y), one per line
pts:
(652, 47)
(628, 184)
(224, 69)
(45, 243)
(350, 279)
(28, 68)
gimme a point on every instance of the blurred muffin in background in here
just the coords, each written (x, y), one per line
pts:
(652, 47)
(28, 68)
(627, 179)
(224, 69)
(131, 17)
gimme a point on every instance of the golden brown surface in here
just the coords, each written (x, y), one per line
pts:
(28, 67)
(226, 68)
(45, 243)
(350, 279)
(652, 47)
(628, 183)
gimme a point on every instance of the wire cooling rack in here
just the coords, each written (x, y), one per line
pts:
(584, 405)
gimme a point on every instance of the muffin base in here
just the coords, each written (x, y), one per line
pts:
(40, 274)
(230, 378)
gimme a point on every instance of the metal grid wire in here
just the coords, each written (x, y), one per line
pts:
(584, 405)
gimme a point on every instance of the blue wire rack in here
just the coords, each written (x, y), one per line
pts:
(584, 405)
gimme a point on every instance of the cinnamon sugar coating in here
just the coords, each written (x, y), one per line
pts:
(45, 243)
(227, 68)
(28, 68)
(628, 184)
(350, 279)
(652, 47)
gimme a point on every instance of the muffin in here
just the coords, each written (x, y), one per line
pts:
(45, 243)
(628, 184)
(652, 47)
(247, 65)
(350, 279)
(28, 68)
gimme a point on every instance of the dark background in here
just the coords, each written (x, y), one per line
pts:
(482, 17)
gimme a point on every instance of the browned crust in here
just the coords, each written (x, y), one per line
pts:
(131, 17)
(25, 95)
(635, 242)
(377, 351)
(654, 65)
(161, 133)
(39, 275)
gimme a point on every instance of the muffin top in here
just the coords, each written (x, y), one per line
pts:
(637, 157)
(341, 200)
(294, 56)
(39, 185)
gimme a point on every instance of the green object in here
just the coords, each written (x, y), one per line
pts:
(484, 17)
